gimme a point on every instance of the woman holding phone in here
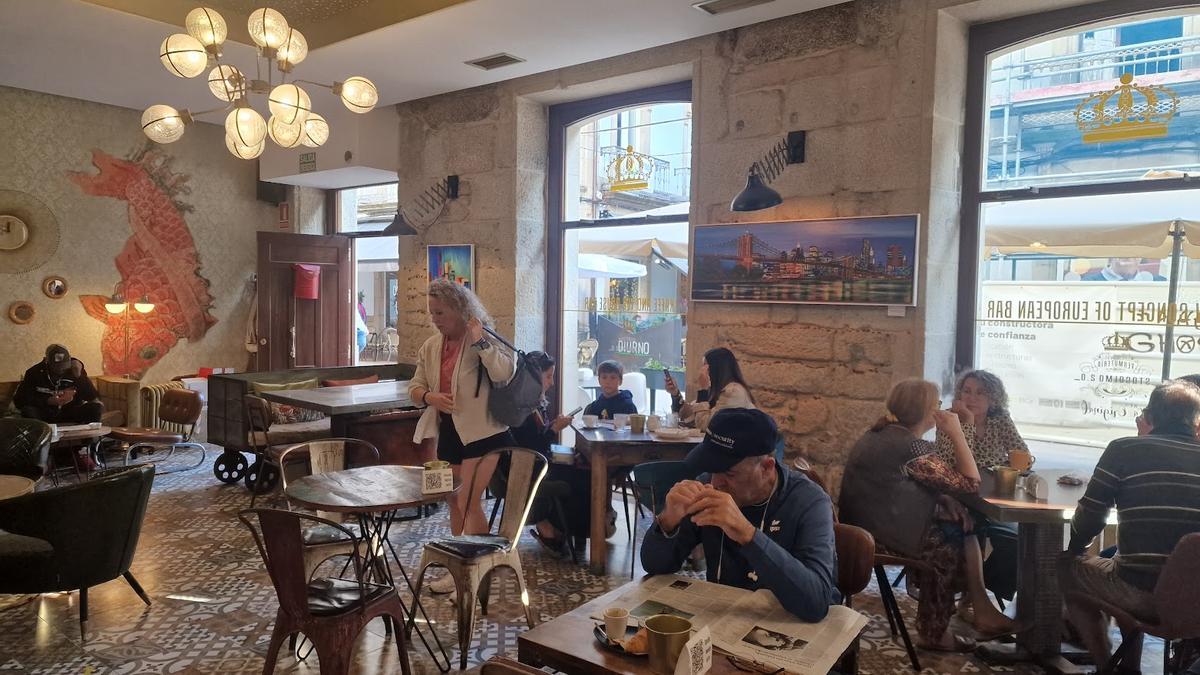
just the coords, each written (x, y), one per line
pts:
(570, 485)
(722, 386)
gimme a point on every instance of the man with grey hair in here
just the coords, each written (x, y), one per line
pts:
(1154, 482)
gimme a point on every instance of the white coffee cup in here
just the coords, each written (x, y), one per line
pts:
(590, 421)
(615, 621)
(620, 421)
(653, 422)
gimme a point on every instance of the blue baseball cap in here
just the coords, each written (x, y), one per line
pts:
(733, 435)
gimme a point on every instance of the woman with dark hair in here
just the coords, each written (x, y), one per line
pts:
(897, 488)
(722, 386)
(571, 485)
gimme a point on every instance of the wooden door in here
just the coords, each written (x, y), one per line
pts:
(296, 333)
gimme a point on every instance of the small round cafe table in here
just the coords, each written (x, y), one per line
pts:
(14, 486)
(373, 495)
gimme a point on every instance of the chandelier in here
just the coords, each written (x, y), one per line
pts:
(293, 121)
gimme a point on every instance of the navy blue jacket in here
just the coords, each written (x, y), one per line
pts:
(606, 406)
(793, 555)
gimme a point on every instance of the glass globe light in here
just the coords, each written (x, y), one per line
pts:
(285, 134)
(183, 55)
(358, 94)
(289, 103)
(267, 28)
(163, 124)
(227, 83)
(244, 151)
(316, 131)
(293, 51)
(207, 26)
(246, 126)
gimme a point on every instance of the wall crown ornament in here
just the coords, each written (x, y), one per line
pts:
(1127, 112)
(293, 122)
(630, 171)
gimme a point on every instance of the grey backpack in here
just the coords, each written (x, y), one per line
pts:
(512, 403)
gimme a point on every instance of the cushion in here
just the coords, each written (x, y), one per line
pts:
(470, 546)
(370, 379)
(287, 434)
(282, 413)
(25, 560)
(327, 597)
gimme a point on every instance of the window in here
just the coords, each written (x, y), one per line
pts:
(1081, 226)
(620, 185)
(362, 213)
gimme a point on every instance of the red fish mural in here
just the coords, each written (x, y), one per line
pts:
(159, 261)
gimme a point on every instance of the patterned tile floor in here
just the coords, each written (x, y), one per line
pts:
(214, 606)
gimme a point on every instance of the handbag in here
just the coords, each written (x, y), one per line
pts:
(512, 402)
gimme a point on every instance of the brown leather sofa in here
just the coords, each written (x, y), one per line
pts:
(122, 405)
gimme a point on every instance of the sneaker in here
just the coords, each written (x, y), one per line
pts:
(442, 585)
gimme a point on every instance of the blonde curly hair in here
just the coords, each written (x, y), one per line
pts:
(460, 299)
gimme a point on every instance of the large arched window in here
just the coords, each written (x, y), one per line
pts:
(1081, 235)
(620, 187)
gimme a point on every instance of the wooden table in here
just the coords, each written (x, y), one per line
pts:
(565, 643)
(1040, 524)
(344, 403)
(373, 494)
(606, 448)
(14, 486)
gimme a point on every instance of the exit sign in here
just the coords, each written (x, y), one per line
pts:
(308, 162)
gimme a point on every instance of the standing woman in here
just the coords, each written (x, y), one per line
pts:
(448, 383)
(722, 386)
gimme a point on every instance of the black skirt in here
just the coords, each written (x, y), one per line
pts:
(450, 447)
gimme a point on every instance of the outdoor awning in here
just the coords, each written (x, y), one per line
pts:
(637, 241)
(598, 266)
(1128, 225)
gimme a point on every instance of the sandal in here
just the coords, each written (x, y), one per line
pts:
(962, 645)
(555, 547)
(981, 636)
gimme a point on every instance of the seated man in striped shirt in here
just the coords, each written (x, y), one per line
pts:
(1154, 481)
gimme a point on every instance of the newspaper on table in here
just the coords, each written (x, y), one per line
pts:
(749, 624)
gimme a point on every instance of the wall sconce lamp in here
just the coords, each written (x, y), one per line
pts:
(757, 194)
(117, 305)
(434, 198)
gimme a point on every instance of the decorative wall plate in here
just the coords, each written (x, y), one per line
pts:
(54, 287)
(21, 312)
(41, 232)
(13, 232)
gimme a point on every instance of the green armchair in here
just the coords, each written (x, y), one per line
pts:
(76, 536)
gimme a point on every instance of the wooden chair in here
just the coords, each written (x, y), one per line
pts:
(316, 457)
(330, 612)
(502, 665)
(472, 559)
(264, 473)
(178, 406)
(891, 607)
(855, 558)
(1176, 599)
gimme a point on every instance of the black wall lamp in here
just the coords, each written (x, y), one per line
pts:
(429, 201)
(757, 194)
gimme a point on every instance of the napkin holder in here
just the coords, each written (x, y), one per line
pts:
(436, 477)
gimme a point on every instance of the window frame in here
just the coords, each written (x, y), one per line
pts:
(983, 40)
(333, 207)
(560, 117)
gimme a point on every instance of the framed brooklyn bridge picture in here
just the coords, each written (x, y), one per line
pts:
(840, 261)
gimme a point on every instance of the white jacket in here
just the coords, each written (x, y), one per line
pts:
(733, 395)
(471, 417)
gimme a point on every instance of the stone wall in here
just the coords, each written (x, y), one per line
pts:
(877, 84)
(45, 139)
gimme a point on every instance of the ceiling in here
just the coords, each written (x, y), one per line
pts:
(97, 53)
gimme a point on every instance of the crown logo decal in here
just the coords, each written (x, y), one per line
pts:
(1126, 112)
(630, 171)
(1116, 343)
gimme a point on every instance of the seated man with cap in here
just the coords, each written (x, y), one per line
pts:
(762, 525)
(58, 390)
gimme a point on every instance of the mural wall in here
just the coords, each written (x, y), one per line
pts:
(175, 223)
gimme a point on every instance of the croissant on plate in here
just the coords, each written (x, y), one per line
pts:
(638, 644)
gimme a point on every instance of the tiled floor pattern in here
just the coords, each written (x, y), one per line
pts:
(214, 606)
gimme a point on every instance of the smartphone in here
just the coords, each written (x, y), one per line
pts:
(575, 412)
(667, 375)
